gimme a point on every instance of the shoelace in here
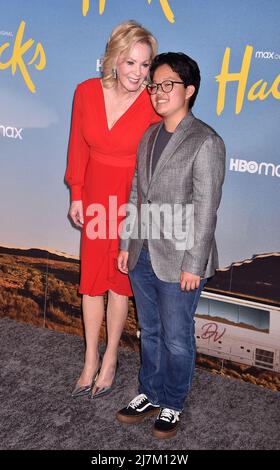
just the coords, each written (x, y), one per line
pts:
(137, 400)
(167, 414)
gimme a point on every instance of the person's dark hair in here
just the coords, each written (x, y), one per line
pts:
(183, 65)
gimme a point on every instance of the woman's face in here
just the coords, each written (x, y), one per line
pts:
(134, 68)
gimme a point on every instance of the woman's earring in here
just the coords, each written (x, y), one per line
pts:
(114, 73)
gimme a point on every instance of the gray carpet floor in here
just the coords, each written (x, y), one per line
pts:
(38, 371)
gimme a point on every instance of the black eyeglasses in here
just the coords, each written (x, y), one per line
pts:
(166, 86)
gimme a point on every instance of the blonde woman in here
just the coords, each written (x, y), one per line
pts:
(109, 118)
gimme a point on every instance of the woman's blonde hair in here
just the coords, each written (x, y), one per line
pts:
(121, 41)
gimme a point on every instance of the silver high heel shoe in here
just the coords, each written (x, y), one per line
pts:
(81, 390)
(101, 391)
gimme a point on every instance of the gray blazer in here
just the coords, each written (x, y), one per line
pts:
(190, 171)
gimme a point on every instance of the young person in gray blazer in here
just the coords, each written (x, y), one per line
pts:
(170, 250)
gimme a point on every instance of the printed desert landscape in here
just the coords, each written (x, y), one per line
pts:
(40, 287)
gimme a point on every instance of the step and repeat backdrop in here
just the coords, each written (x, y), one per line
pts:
(46, 49)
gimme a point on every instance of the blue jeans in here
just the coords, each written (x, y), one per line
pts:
(166, 317)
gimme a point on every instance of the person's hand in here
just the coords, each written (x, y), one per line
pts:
(189, 281)
(76, 213)
(122, 261)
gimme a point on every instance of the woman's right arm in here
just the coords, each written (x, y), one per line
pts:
(78, 156)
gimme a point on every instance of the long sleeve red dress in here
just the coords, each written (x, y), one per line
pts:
(100, 169)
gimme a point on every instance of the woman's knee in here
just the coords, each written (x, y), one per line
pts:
(118, 297)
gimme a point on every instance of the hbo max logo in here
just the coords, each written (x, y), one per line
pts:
(10, 132)
(263, 168)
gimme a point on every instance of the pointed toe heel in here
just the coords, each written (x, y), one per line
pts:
(102, 391)
(82, 390)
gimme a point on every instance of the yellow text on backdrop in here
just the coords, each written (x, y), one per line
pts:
(257, 91)
(17, 57)
(102, 3)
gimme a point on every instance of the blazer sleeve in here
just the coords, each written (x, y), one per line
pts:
(208, 177)
(78, 150)
(130, 223)
(131, 215)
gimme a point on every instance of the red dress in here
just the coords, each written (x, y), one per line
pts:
(101, 164)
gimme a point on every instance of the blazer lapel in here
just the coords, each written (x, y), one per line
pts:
(150, 150)
(176, 139)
